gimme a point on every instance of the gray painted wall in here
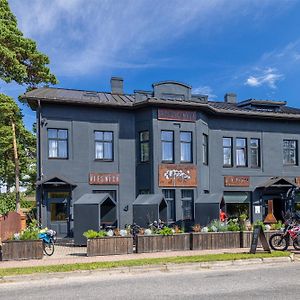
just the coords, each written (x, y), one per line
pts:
(82, 121)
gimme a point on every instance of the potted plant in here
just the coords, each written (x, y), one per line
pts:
(163, 239)
(108, 242)
(24, 245)
(216, 235)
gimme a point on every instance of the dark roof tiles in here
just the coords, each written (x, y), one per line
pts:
(108, 99)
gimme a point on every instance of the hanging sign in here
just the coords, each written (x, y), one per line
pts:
(104, 178)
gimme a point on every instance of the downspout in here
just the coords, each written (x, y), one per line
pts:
(39, 196)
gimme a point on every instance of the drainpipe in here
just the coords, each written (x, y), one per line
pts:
(39, 161)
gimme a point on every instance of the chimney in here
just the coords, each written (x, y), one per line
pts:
(116, 85)
(230, 98)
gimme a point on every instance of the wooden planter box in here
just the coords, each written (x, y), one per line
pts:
(158, 243)
(19, 250)
(246, 237)
(110, 245)
(215, 240)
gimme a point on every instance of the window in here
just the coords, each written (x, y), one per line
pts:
(185, 146)
(290, 152)
(227, 152)
(104, 145)
(205, 149)
(254, 153)
(57, 143)
(144, 146)
(187, 198)
(170, 199)
(167, 143)
(241, 152)
(58, 212)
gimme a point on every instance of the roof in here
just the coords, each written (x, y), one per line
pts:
(209, 198)
(278, 182)
(149, 199)
(131, 101)
(56, 180)
(97, 198)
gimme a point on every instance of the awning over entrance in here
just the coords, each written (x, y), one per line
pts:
(210, 198)
(278, 182)
(148, 208)
(56, 180)
(236, 198)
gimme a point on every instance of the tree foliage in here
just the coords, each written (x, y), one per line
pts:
(10, 112)
(20, 61)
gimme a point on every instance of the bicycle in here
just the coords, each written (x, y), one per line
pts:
(48, 238)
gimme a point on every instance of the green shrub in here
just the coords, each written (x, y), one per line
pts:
(217, 226)
(165, 231)
(233, 225)
(92, 234)
(7, 203)
(277, 226)
(31, 232)
(261, 223)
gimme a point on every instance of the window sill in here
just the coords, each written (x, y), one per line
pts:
(60, 158)
(103, 160)
(186, 162)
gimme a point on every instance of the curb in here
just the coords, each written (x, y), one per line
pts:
(169, 267)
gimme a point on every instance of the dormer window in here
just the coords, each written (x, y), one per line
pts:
(262, 105)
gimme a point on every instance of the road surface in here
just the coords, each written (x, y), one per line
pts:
(276, 281)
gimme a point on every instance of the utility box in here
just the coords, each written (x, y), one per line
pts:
(93, 211)
(148, 208)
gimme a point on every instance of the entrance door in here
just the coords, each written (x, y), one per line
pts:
(279, 208)
(58, 210)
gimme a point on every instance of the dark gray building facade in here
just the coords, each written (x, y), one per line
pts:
(201, 155)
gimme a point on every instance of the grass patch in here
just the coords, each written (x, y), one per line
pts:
(137, 262)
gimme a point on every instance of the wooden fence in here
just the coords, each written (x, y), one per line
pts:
(11, 223)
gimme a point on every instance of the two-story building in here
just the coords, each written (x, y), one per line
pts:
(200, 155)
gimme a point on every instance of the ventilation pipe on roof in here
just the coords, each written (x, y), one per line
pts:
(230, 98)
(116, 85)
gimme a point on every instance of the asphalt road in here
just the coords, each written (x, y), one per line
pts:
(277, 281)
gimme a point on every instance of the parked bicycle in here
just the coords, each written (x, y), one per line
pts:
(48, 237)
(281, 241)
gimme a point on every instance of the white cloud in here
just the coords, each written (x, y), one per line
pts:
(204, 90)
(269, 77)
(83, 37)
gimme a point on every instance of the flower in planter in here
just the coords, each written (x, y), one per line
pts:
(16, 236)
(123, 232)
(148, 231)
(110, 233)
(196, 228)
(204, 229)
(267, 227)
(214, 228)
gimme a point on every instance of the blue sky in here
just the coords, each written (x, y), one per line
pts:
(251, 48)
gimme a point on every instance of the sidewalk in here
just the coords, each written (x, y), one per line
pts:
(72, 255)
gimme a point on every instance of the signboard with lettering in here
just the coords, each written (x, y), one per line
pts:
(177, 175)
(177, 115)
(240, 181)
(104, 178)
(258, 233)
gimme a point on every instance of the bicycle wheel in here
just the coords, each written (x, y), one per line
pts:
(296, 244)
(278, 242)
(48, 247)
